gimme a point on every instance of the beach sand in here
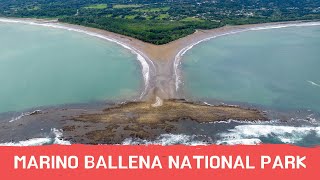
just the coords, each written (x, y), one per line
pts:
(159, 102)
(163, 81)
(163, 60)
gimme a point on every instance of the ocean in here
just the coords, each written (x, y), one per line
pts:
(44, 66)
(274, 70)
(273, 67)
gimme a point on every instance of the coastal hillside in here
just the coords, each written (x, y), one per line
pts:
(162, 21)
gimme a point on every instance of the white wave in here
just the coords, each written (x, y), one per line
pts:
(158, 102)
(41, 141)
(177, 60)
(23, 115)
(286, 25)
(140, 56)
(229, 105)
(245, 122)
(253, 141)
(207, 104)
(311, 119)
(168, 139)
(58, 137)
(313, 83)
(30, 142)
(244, 134)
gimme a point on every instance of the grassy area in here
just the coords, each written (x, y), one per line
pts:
(130, 16)
(162, 16)
(122, 6)
(147, 17)
(96, 6)
(192, 19)
(34, 8)
(119, 17)
(152, 9)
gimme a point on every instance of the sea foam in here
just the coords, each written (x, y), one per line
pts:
(23, 115)
(56, 139)
(250, 134)
(170, 139)
(143, 59)
(254, 134)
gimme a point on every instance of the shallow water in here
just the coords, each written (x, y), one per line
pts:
(277, 68)
(41, 66)
(254, 67)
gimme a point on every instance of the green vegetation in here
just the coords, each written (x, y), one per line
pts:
(34, 8)
(162, 21)
(130, 16)
(148, 10)
(97, 6)
(122, 6)
(162, 16)
(155, 31)
(190, 19)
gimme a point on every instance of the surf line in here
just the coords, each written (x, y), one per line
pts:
(313, 83)
(39, 141)
(25, 114)
(178, 57)
(141, 57)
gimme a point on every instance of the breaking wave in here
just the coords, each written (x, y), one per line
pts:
(55, 137)
(256, 134)
(177, 60)
(143, 59)
(23, 115)
(171, 139)
(240, 135)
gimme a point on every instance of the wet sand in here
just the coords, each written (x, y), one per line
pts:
(159, 110)
(163, 80)
(163, 60)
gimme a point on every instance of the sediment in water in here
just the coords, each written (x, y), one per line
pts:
(160, 70)
(160, 63)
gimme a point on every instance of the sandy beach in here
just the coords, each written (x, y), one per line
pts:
(114, 123)
(164, 75)
(160, 62)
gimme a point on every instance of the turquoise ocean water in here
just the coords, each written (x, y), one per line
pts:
(277, 68)
(41, 66)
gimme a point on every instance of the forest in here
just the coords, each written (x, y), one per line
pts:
(162, 21)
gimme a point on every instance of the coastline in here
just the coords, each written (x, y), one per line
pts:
(147, 65)
(175, 123)
(165, 81)
(121, 122)
(160, 63)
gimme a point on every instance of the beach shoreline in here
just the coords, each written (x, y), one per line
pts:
(165, 78)
(161, 108)
(160, 63)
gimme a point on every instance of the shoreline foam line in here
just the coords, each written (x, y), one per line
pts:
(285, 134)
(23, 115)
(178, 57)
(55, 137)
(140, 56)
